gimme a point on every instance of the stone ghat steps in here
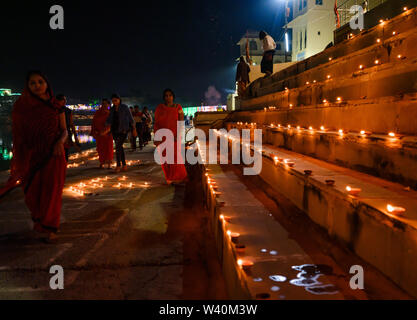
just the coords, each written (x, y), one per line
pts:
(393, 158)
(367, 218)
(379, 115)
(364, 223)
(384, 43)
(277, 259)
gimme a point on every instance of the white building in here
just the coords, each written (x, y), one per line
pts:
(312, 27)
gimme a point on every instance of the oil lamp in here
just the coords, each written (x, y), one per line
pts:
(353, 191)
(395, 210)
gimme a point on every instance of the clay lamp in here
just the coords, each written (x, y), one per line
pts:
(308, 172)
(395, 210)
(245, 264)
(391, 134)
(353, 191)
(330, 182)
(234, 236)
(289, 163)
(240, 248)
(225, 218)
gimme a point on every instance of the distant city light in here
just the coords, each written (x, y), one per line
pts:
(286, 43)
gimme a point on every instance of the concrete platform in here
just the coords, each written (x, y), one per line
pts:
(139, 241)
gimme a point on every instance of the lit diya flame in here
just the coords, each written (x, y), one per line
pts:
(391, 134)
(353, 191)
(289, 162)
(225, 219)
(245, 264)
(395, 210)
(234, 236)
(119, 185)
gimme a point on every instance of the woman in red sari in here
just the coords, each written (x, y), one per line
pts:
(38, 164)
(104, 140)
(166, 117)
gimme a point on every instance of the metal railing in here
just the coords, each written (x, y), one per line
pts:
(344, 8)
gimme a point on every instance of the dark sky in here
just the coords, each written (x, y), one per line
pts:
(134, 48)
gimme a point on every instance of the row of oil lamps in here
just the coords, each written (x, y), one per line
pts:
(289, 163)
(76, 165)
(245, 264)
(322, 128)
(82, 188)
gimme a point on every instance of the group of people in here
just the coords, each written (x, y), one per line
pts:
(267, 63)
(143, 124)
(41, 127)
(117, 123)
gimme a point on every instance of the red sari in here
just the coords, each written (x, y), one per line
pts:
(166, 118)
(35, 128)
(104, 143)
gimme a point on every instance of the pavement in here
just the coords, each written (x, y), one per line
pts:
(130, 236)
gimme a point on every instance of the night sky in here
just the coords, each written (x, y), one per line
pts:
(134, 48)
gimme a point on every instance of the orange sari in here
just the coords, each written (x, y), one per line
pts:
(104, 142)
(166, 118)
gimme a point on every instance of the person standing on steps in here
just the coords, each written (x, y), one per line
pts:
(242, 76)
(269, 45)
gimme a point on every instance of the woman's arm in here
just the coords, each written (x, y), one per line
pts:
(180, 113)
(59, 145)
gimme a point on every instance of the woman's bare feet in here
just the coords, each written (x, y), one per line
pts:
(124, 168)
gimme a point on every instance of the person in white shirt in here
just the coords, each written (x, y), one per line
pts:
(269, 45)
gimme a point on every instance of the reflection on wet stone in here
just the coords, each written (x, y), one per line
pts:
(308, 278)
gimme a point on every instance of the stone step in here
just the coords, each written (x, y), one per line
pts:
(363, 222)
(281, 267)
(390, 157)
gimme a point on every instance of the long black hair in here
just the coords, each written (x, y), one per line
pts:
(262, 35)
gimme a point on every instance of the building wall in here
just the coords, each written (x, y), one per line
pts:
(312, 26)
